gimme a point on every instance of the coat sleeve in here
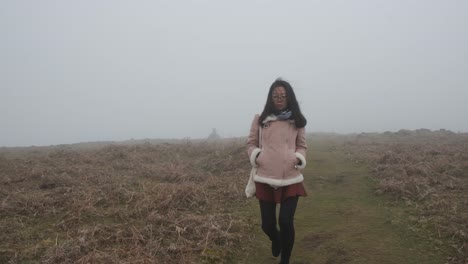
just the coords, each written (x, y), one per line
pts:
(301, 147)
(252, 141)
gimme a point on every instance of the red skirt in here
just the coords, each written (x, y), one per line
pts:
(267, 193)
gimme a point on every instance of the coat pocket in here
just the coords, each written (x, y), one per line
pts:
(292, 159)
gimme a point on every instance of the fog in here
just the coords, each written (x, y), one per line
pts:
(77, 71)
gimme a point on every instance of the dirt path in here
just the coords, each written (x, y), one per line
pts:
(342, 221)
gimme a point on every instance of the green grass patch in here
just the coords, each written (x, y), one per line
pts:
(343, 221)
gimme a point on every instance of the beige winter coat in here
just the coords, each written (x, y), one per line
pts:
(283, 145)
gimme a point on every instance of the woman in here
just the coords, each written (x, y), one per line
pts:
(277, 148)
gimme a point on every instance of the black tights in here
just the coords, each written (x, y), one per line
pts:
(286, 223)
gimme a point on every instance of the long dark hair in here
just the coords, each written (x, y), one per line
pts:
(293, 105)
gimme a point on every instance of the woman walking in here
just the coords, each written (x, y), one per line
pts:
(277, 148)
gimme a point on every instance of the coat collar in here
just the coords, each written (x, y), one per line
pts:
(270, 118)
(273, 117)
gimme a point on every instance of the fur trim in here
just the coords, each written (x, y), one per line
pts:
(279, 183)
(253, 157)
(272, 117)
(302, 159)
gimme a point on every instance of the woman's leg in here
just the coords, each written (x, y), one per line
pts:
(286, 223)
(268, 213)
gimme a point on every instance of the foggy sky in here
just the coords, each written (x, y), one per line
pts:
(75, 71)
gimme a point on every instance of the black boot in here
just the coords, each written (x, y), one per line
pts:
(284, 259)
(276, 246)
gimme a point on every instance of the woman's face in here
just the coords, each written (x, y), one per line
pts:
(279, 98)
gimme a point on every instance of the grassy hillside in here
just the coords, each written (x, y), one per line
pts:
(373, 198)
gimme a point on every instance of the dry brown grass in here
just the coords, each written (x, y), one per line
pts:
(429, 171)
(140, 203)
